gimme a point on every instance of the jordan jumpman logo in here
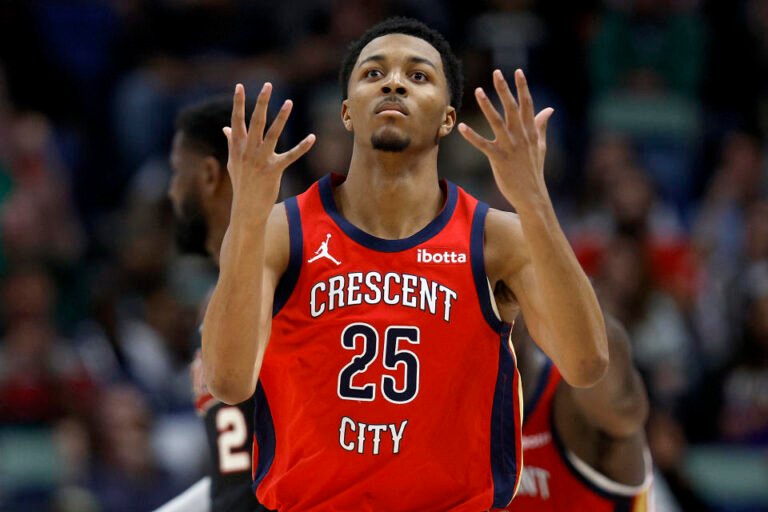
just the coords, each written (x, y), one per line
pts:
(322, 252)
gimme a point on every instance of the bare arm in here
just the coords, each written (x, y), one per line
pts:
(618, 404)
(528, 252)
(254, 252)
(554, 294)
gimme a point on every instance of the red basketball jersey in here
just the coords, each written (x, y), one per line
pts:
(555, 479)
(388, 383)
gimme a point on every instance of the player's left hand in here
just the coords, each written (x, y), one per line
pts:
(517, 153)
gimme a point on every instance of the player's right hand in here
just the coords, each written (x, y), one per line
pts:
(254, 167)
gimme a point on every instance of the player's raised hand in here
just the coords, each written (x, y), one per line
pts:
(517, 152)
(254, 167)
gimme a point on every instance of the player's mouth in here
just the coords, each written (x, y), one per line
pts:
(390, 107)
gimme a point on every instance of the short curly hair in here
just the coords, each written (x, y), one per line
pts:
(415, 28)
(201, 124)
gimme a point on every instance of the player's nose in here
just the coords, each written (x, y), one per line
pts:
(394, 83)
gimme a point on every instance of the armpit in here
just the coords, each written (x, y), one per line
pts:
(505, 301)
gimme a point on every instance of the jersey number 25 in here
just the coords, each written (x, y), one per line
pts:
(363, 334)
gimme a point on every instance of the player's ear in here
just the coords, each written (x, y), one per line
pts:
(214, 175)
(345, 118)
(449, 121)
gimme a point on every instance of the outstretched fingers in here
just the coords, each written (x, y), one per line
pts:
(526, 105)
(511, 108)
(251, 151)
(259, 116)
(474, 138)
(541, 121)
(228, 134)
(237, 121)
(274, 132)
(490, 113)
(298, 150)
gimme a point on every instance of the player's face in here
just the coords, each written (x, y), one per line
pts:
(397, 95)
(191, 224)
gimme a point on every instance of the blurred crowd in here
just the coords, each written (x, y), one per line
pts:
(657, 166)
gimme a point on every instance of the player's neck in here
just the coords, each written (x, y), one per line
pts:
(391, 195)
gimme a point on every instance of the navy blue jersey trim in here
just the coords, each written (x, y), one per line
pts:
(264, 430)
(503, 426)
(380, 244)
(621, 502)
(530, 407)
(624, 505)
(291, 276)
(477, 258)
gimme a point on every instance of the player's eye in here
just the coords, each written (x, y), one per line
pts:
(373, 73)
(419, 76)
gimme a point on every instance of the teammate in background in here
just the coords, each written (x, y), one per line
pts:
(584, 449)
(381, 383)
(201, 193)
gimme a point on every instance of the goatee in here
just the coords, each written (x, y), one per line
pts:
(390, 142)
(191, 228)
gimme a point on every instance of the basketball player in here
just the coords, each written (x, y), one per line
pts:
(383, 379)
(201, 194)
(584, 449)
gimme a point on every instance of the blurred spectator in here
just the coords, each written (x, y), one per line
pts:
(732, 406)
(179, 52)
(744, 414)
(74, 449)
(622, 200)
(145, 338)
(640, 44)
(126, 477)
(510, 32)
(41, 379)
(628, 205)
(607, 152)
(29, 293)
(738, 181)
(199, 58)
(730, 237)
(669, 446)
(661, 343)
(37, 220)
(640, 88)
(140, 329)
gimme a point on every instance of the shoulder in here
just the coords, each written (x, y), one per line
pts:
(499, 224)
(278, 220)
(504, 248)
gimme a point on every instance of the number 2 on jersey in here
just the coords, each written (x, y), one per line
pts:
(233, 435)
(392, 359)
